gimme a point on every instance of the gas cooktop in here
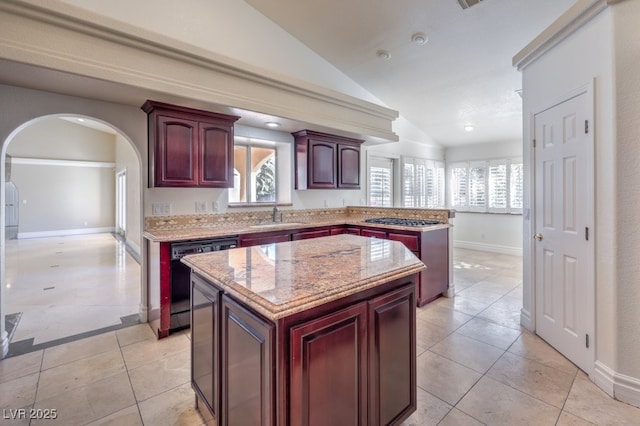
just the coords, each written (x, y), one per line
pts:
(401, 221)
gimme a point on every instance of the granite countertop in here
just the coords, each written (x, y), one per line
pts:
(203, 232)
(278, 280)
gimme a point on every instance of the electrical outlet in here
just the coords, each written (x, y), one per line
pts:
(201, 206)
(160, 209)
(326, 203)
(216, 206)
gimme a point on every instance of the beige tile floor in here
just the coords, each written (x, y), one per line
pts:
(69, 285)
(475, 366)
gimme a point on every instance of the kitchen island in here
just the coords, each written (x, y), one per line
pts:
(318, 331)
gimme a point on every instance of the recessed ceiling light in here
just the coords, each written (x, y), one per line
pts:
(272, 124)
(468, 128)
(383, 54)
(419, 38)
(81, 120)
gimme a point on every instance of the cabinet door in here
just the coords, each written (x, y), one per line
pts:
(328, 369)
(412, 242)
(216, 155)
(392, 356)
(175, 152)
(348, 166)
(248, 377)
(205, 338)
(322, 163)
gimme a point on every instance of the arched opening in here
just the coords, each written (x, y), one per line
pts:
(66, 275)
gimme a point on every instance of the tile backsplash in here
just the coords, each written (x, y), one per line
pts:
(158, 223)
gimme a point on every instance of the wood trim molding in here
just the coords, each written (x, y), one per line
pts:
(569, 22)
(61, 37)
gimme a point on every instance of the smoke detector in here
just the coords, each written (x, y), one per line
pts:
(468, 3)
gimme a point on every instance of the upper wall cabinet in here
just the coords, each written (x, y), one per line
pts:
(326, 161)
(189, 147)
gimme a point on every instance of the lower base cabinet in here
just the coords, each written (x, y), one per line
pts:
(247, 344)
(347, 362)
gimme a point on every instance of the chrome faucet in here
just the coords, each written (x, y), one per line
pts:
(275, 214)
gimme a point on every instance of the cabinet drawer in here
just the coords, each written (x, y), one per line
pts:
(373, 233)
(412, 242)
(311, 234)
(248, 241)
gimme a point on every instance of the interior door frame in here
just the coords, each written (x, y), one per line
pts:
(121, 203)
(589, 90)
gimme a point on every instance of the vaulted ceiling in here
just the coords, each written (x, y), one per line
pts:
(461, 76)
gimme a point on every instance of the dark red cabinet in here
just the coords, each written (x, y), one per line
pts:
(350, 361)
(325, 161)
(248, 240)
(188, 147)
(348, 166)
(432, 247)
(315, 233)
(392, 356)
(248, 377)
(205, 341)
(329, 363)
(374, 233)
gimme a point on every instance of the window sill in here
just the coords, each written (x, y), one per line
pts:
(499, 213)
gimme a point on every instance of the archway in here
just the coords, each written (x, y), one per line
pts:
(75, 162)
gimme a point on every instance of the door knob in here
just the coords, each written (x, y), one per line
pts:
(538, 237)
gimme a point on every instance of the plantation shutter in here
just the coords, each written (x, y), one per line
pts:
(477, 185)
(498, 186)
(380, 182)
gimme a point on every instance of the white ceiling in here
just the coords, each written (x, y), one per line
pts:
(463, 75)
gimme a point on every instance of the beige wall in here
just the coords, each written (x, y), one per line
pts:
(63, 199)
(73, 190)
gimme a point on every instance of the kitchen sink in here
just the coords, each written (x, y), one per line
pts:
(276, 224)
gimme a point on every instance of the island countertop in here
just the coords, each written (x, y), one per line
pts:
(281, 279)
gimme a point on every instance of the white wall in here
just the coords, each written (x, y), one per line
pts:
(499, 233)
(231, 28)
(627, 47)
(604, 52)
(72, 196)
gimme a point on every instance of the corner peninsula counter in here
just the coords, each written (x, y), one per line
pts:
(318, 331)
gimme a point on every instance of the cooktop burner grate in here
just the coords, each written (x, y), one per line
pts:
(402, 221)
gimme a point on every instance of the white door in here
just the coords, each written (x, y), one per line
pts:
(564, 272)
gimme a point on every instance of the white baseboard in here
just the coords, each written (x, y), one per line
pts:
(133, 247)
(619, 386)
(64, 232)
(493, 248)
(525, 320)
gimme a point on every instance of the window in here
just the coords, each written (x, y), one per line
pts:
(487, 186)
(422, 183)
(260, 172)
(380, 182)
